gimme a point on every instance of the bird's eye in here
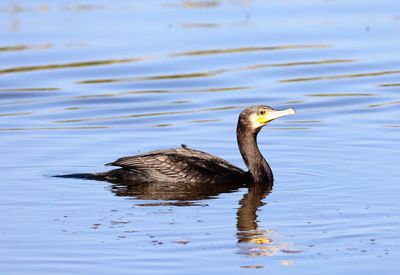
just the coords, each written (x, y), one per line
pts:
(262, 112)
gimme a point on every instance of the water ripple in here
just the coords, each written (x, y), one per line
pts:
(250, 49)
(213, 73)
(23, 69)
(16, 48)
(344, 76)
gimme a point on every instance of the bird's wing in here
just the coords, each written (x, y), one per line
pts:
(179, 163)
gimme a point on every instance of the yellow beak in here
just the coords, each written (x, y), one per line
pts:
(274, 115)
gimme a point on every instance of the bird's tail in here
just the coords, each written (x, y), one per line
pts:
(85, 176)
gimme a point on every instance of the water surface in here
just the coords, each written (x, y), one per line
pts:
(82, 84)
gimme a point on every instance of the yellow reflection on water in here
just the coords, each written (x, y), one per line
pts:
(256, 242)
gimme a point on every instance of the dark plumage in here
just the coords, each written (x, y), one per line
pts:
(179, 165)
(192, 167)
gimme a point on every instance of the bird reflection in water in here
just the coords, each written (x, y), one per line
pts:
(252, 240)
(175, 194)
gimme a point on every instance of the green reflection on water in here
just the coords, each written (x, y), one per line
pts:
(200, 4)
(25, 47)
(222, 108)
(52, 128)
(250, 49)
(68, 65)
(343, 76)
(29, 89)
(164, 125)
(341, 94)
(17, 114)
(213, 73)
(204, 121)
(83, 7)
(200, 25)
(391, 126)
(318, 62)
(209, 90)
(390, 85)
(188, 75)
(384, 104)
(303, 121)
(291, 129)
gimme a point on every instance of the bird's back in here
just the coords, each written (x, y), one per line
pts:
(179, 165)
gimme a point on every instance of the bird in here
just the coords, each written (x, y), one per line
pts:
(185, 168)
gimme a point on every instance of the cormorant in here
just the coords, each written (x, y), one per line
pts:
(186, 167)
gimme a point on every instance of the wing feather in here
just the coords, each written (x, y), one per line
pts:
(183, 164)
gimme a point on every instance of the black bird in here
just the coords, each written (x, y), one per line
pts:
(187, 168)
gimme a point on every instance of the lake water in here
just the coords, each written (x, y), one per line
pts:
(83, 83)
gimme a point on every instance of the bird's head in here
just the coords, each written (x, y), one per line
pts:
(255, 117)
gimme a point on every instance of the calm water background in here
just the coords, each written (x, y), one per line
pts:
(83, 83)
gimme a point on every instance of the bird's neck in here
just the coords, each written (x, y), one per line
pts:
(259, 169)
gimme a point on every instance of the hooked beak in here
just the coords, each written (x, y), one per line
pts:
(275, 114)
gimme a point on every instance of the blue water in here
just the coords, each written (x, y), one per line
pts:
(84, 83)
